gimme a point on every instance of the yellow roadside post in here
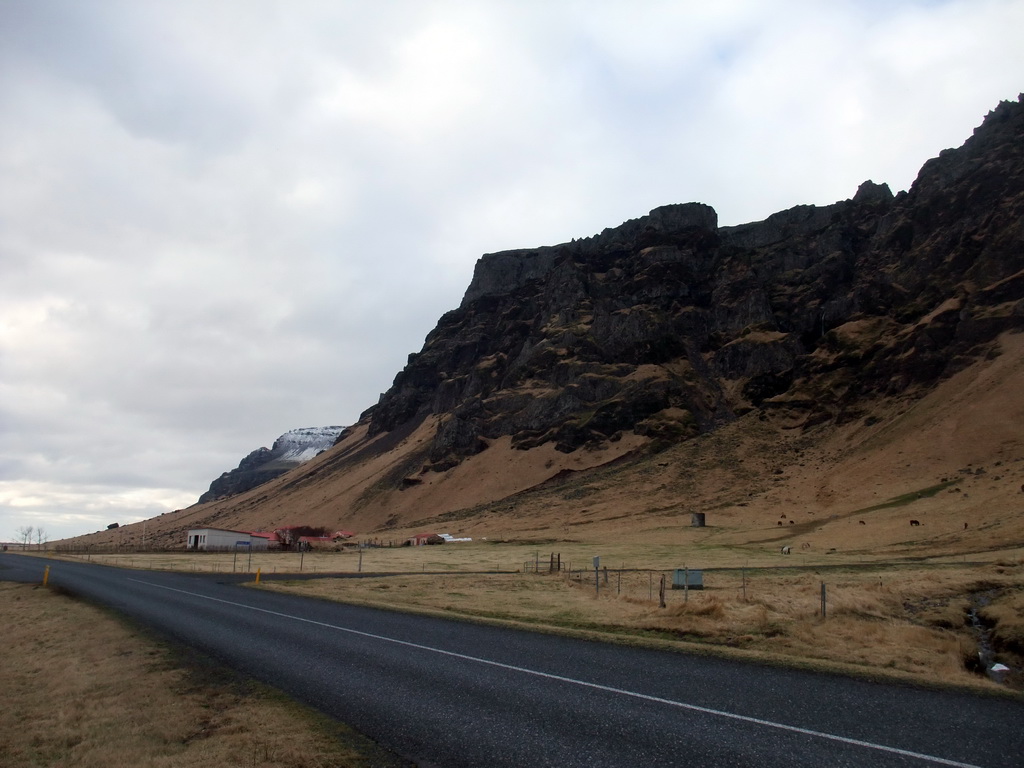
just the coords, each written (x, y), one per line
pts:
(46, 575)
(258, 570)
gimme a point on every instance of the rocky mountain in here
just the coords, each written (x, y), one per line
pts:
(289, 451)
(669, 326)
(814, 363)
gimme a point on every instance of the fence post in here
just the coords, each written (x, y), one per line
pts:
(661, 591)
(686, 584)
(823, 601)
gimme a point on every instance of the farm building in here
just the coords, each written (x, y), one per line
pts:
(308, 543)
(221, 539)
(423, 538)
(272, 540)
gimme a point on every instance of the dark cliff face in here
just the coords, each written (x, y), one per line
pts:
(248, 474)
(669, 326)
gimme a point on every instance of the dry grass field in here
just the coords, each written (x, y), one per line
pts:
(908, 622)
(908, 619)
(82, 689)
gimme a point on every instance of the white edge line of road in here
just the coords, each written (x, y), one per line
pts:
(584, 683)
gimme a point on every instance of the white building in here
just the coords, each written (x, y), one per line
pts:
(222, 539)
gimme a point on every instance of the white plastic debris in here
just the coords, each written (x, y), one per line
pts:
(998, 672)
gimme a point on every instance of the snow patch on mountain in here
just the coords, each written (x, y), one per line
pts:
(301, 445)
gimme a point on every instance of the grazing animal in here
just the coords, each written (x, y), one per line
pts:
(779, 523)
(783, 515)
(786, 550)
(862, 522)
(915, 522)
(791, 522)
(805, 545)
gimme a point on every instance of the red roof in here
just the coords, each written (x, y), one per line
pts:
(263, 535)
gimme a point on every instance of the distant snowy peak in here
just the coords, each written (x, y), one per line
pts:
(290, 450)
(303, 444)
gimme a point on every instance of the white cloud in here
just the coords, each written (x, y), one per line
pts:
(222, 221)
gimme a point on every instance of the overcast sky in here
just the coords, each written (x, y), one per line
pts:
(223, 220)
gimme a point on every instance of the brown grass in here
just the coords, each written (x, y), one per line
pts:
(1006, 613)
(82, 689)
(908, 622)
(898, 617)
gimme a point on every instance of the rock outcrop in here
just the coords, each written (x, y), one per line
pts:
(669, 325)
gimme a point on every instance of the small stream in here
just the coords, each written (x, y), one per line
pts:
(984, 635)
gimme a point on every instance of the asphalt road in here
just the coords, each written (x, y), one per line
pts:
(444, 693)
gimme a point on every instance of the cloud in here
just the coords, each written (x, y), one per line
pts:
(222, 221)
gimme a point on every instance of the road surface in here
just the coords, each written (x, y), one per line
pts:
(445, 693)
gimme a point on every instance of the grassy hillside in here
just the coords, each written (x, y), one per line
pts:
(952, 459)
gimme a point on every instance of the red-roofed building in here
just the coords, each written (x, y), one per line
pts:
(309, 542)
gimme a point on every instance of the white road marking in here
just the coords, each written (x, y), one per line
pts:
(584, 683)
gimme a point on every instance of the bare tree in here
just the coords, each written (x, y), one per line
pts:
(41, 537)
(25, 535)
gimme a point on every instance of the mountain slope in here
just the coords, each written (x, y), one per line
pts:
(670, 365)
